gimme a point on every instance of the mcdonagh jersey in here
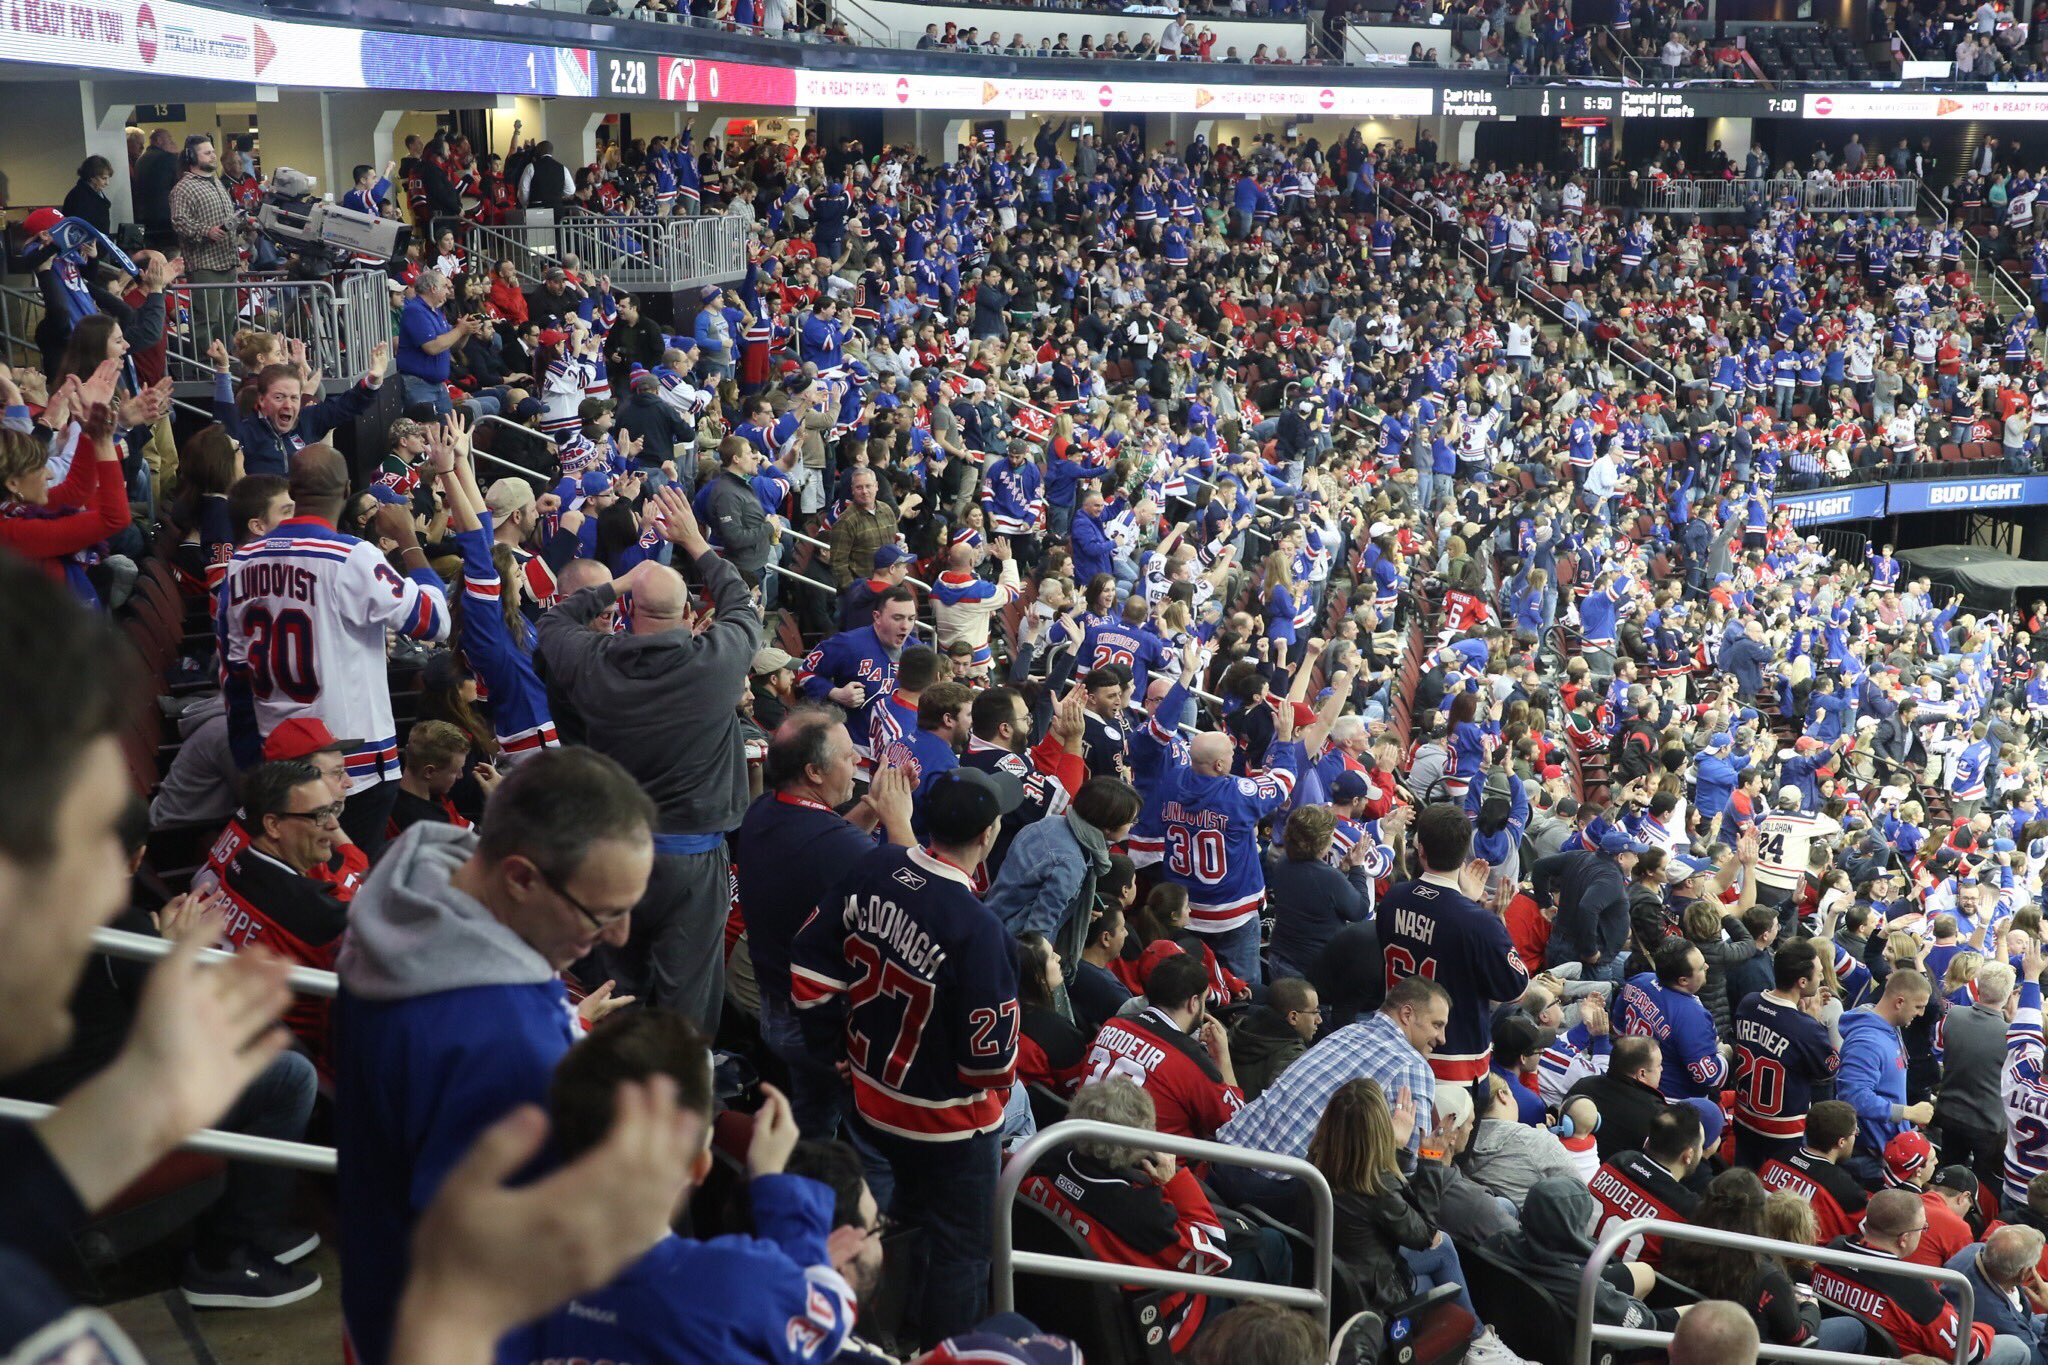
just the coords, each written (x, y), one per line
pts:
(908, 975)
(1781, 1054)
(302, 618)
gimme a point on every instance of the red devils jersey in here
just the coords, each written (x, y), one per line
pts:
(1177, 1071)
(1633, 1186)
(342, 874)
(1919, 1319)
(1126, 1219)
(294, 917)
(1836, 1196)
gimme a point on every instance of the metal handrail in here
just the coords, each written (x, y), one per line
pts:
(1588, 1331)
(147, 948)
(816, 543)
(648, 252)
(301, 1156)
(1006, 1260)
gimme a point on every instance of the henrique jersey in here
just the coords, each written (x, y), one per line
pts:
(1434, 931)
(302, 622)
(1186, 1087)
(1780, 1055)
(1836, 1196)
(1913, 1311)
(1633, 1186)
(910, 977)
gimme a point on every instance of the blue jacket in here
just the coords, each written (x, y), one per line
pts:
(446, 1022)
(1093, 553)
(266, 450)
(1993, 1308)
(1872, 1079)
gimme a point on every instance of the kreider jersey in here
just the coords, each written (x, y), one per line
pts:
(905, 973)
(1634, 1186)
(1435, 931)
(1780, 1055)
(302, 618)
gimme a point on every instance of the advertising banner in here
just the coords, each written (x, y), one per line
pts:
(1953, 495)
(1835, 504)
(1961, 107)
(884, 90)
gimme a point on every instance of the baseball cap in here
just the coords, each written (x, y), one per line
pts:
(1905, 1156)
(590, 409)
(1957, 1177)
(768, 659)
(596, 483)
(1616, 841)
(1806, 744)
(385, 493)
(42, 220)
(507, 496)
(888, 556)
(529, 407)
(302, 737)
(1515, 1038)
(1550, 771)
(962, 803)
(406, 427)
(1679, 869)
(1719, 740)
(557, 275)
(1348, 786)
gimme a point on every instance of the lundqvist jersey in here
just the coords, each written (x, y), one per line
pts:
(1212, 837)
(909, 977)
(302, 618)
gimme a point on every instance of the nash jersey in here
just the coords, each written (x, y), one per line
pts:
(1836, 1196)
(1781, 1054)
(1435, 931)
(1186, 1087)
(302, 620)
(2025, 1092)
(1633, 1186)
(910, 976)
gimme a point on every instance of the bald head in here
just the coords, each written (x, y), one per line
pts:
(658, 599)
(1211, 753)
(1715, 1332)
(319, 481)
(579, 574)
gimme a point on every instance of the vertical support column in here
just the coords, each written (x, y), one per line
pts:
(105, 122)
(958, 130)
(586, 137)
(1461, 136)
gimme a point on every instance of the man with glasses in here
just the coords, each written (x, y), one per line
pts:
(291, 816)
(452, 1009)
(1912, 1310)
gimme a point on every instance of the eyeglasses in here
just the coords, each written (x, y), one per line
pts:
(599, 924)
(325, 815)
(883, 1226)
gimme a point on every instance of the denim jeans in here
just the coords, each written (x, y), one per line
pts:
(947, 1189)
(426, 393)
(1841, 1334)
(1238, 949)
(814, 1086)
(1440, 1265)
(276, 1105)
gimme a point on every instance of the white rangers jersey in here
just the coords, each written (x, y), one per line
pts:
(302, 618)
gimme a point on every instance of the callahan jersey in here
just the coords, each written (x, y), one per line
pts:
(302, 620)
(1784, 838)
(1781, 1054)
(1634, 1186)
(1174, 1069)
(1437, 932)
(906, 974)
(1836, 1196)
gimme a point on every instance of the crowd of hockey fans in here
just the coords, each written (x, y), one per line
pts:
(1170, 636)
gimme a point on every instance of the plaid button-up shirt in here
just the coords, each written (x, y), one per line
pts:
(1283, 1118)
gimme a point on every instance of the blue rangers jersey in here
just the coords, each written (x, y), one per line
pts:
(1013, 496)
(506, 680)
(774, 1297)
(1684, 1030)
(1782, 1054)
(906, 975)
(1212, 839)
(851, 656)
(1154, 749)
(1435, 931)
(1135, 647)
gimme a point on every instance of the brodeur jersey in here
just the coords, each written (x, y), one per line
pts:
(911, 976)
(1783, 841)
(1781, 1053)
(1178, 1073)
(1634, 1186)
(1837, 1197)
(1212, 837)
(1128, 1220)
(2025, 1091)
(302, 618)
(1919, 1319)
(1434, 931)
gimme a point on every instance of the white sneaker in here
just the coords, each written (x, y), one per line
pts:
(1488, 1349)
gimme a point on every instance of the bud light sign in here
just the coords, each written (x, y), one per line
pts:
(1956, 495)
(1835, 504)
